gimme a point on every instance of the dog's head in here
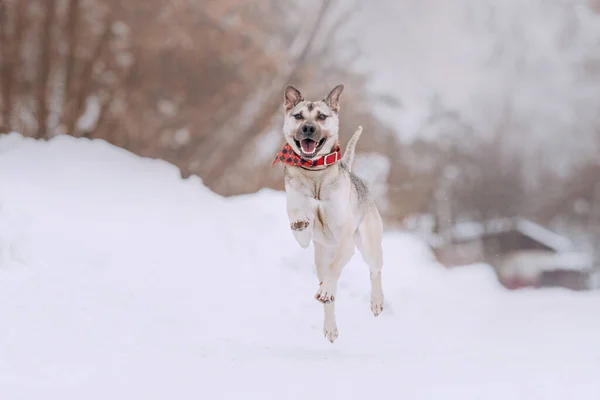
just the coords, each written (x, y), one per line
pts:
(311, 127)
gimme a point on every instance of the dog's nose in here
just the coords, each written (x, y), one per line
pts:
(308, 128)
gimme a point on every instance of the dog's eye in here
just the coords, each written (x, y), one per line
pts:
(322, 117)
(298, 116)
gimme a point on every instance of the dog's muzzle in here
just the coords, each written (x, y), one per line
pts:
(309, 140)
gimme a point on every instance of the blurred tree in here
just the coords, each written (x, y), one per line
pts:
(203, 79)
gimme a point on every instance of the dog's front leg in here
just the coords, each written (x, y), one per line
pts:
(301, 216)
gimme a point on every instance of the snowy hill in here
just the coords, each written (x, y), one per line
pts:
(119, 280)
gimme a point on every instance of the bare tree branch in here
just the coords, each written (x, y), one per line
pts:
(328, 42)
(13, 75)
(86, 77)
(72, 23)
(44, 71)
(4, 123)
(252, 125)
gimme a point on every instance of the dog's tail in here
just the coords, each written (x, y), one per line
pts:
(348, 156)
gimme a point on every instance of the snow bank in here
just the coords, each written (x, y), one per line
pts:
(133, 283)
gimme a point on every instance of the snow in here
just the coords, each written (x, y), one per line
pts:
(472, 230)
(530, 264)
(557, 242)
(89, 118)
(124, 281)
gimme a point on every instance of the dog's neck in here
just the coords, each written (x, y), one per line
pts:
(288, 156)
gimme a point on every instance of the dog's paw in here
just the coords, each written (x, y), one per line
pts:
(330, 333)
(326, 293)
(377, 305)
(299, 224)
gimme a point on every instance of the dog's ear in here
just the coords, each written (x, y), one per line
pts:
(333, 98)
(291, 98)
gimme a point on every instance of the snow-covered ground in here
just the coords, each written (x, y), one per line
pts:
(119, 280)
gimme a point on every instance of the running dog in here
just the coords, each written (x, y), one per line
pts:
(326, 203)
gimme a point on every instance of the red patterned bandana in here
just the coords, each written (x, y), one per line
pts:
(287, 156)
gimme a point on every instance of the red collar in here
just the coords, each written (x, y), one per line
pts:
(287, 156)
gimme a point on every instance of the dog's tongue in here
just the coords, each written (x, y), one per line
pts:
(308, 146)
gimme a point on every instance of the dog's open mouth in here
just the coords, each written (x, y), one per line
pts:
(309, 147)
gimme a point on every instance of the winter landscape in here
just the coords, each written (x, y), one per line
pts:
(145, 249)
(121, 280)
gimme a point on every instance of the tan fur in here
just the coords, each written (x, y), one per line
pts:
(330, 206)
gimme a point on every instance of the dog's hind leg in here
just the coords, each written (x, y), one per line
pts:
(330, 261)
(368, 239)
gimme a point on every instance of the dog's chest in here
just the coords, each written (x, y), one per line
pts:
(323, 198)
(328, 207)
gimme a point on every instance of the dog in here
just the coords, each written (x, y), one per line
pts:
(326, 203)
